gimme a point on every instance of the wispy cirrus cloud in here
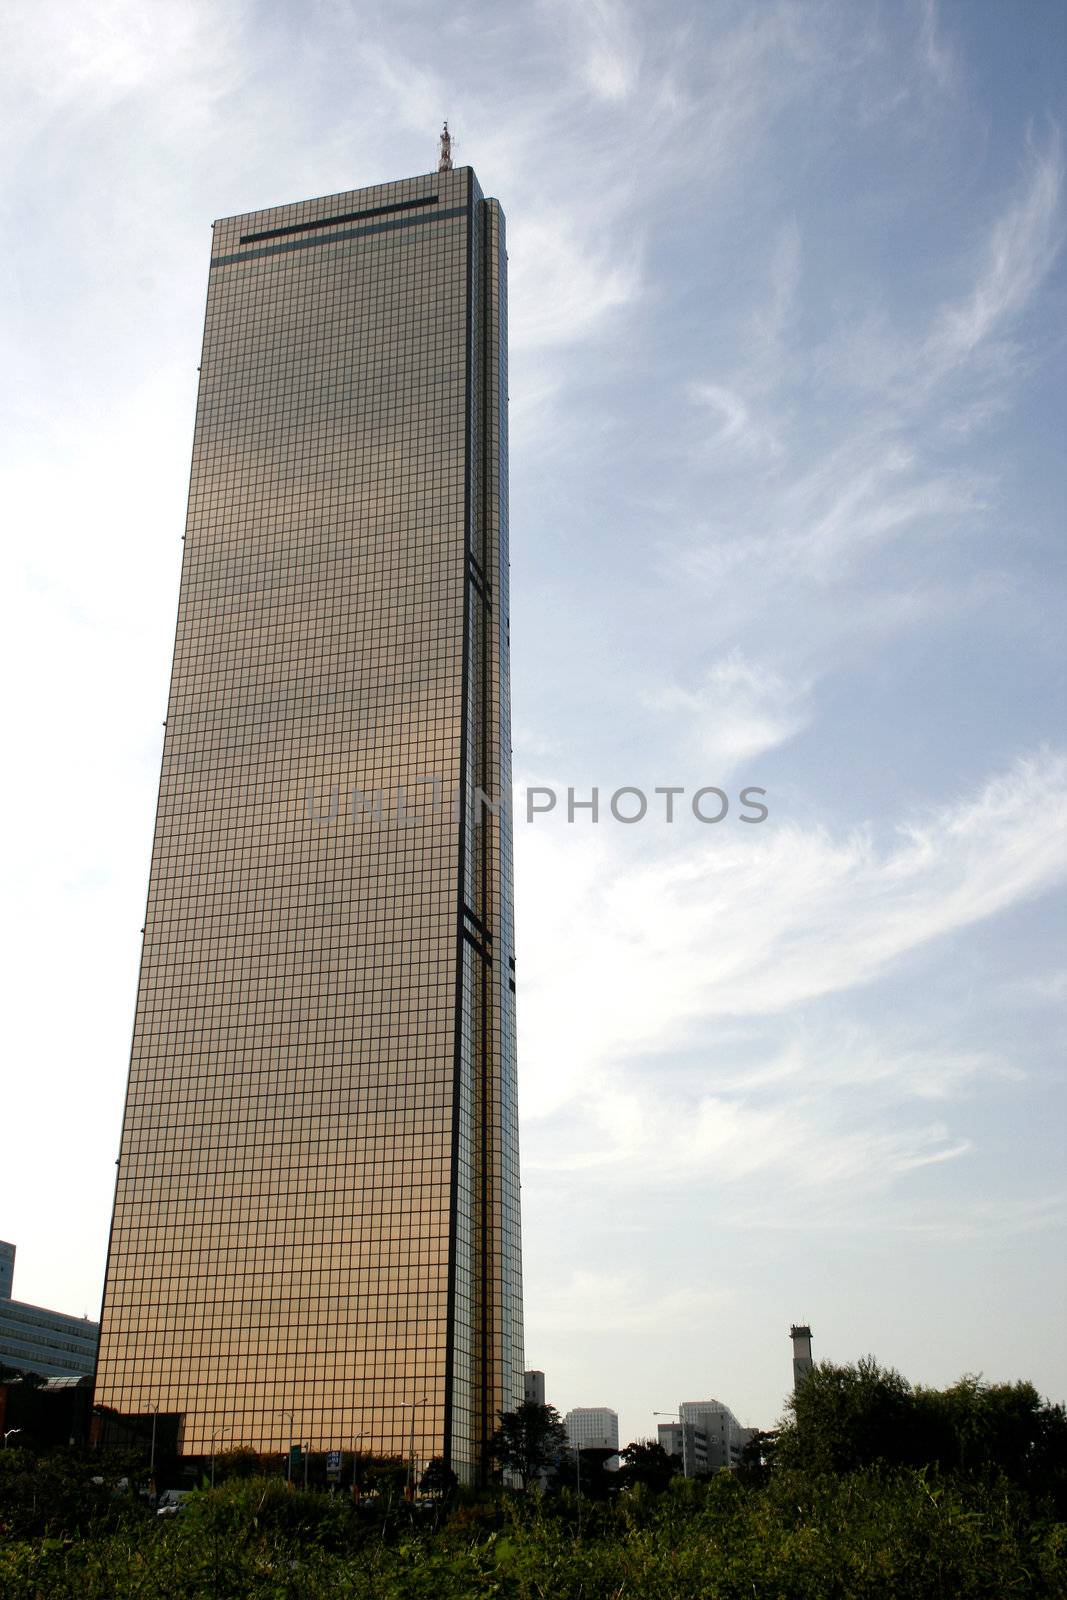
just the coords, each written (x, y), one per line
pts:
(734, 425)
(935, 54)
(847, 475)
(1015, 259)
(737, 711)
(667, 940)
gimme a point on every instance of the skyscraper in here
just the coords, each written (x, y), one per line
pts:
(316, 1225)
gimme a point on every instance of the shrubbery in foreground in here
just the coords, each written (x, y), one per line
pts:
(900, 1533)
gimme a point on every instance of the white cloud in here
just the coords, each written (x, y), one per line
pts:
(739, 710)
(564, 283)
(612, 63)
(627, 953)
(936, 56)
(848, 452)
(587, 1300)
(1015, 259)
(736, 428)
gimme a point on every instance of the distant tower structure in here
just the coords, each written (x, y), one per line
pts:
(444, 163)
(533, 1388)
(802, 1362)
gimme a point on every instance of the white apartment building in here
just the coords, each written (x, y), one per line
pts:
(593, 1428)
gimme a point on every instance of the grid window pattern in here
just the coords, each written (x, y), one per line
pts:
(316, 1234)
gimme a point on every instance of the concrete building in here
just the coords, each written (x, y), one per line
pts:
(533, 1387)
(707, 1437)
(800, 1334)
(593, 1428)
(316, 1226)
(33, 1339)
(7, 1269)
(670, 1438)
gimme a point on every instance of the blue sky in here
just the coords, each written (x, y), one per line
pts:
(788, 319)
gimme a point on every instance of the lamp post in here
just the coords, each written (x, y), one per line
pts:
(10, 1434)
(420, 1401)
(289, 1447)
(356, 1437)
(152, 1452)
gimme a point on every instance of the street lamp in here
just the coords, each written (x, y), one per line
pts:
(289, 1450)
(152, 1452)
(420, 1401)
(356, 1437)
(10, 1434)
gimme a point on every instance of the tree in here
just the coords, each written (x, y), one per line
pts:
(974, 1425)
(757, 1457)
(585, 1472)
(844, 1418)
(238, 1462)
(528, 1440)
(438, 1479)
(386, 1476)
(647, 1462)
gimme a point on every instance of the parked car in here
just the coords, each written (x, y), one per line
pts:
(171, 1501)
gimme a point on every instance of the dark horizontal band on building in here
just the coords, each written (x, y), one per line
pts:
(333, 222)
(476, 944)
(332, 238)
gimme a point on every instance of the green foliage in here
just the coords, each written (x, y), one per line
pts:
(861, 1536)
(647, 1463)
(250, 1507)
(438, 1479)
(239, 1462)
(529, 1440)
(31, 1380)
(56, 1495)
(845, 1418)
(874, 1489)
(385, 1476)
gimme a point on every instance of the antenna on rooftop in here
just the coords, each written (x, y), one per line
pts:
(445, 162)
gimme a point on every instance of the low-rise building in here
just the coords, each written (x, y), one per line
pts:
(33, 1339)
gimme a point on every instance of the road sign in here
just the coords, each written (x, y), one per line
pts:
(333, 1465)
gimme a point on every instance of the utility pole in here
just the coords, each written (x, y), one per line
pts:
(289, 1447)
(355, 1463)
(411, 1447)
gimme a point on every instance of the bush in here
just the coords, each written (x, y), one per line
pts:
(858, 1536)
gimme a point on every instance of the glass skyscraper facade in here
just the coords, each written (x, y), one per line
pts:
(316, 1224)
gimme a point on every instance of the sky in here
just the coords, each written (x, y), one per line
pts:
(788, 314)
